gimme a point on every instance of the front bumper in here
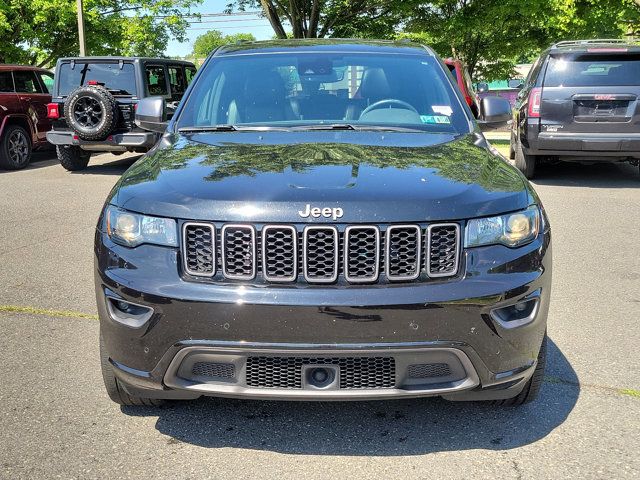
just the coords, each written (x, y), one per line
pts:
(116, 142)
(446, 322)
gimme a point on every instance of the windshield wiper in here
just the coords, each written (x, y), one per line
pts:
(231, 128)
(350, 126)
(209, 128)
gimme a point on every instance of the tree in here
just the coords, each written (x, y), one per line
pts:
(492, 35)
(37, 32)
(321, 18)
(213, 39)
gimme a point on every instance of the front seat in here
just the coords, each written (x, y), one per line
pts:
(374, 87)
(264, 99)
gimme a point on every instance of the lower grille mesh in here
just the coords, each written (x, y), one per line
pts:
(429, 370)
(210, 369)
(355, 372)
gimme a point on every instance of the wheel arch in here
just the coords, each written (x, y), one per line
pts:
(19, 119)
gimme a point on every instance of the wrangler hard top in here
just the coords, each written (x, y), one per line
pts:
(94, 100)
(580, 102)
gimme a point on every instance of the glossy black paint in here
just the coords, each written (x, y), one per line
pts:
(269, 176)
(375, 177)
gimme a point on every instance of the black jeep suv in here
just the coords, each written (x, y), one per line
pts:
(580, 103)
(94, 102)
(323, 220)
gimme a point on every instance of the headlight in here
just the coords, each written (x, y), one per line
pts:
(512, 230)
(132, 229)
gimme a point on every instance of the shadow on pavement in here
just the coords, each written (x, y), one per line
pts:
(113, 166)
(597, 175)
(401, 427)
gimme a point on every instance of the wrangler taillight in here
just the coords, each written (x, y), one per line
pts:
(535, 98)
(53, 111)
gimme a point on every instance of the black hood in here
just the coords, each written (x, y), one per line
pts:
(372, 176)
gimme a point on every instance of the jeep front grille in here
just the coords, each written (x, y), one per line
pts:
(354, 372)
(442, 249)
(239, 252)
(279, 253)
(199, 248)
(321, 254)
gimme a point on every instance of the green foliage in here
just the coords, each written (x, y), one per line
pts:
(213, 39)
(492, 35)
(322, 18)
(39, 31)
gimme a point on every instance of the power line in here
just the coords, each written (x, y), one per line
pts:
(222, 28)
(217, 14)
(227, 21)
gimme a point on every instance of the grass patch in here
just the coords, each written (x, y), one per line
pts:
(45, 311)
(630, 392)
(502, 146)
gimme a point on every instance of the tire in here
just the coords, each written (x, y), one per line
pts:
(15, 148)
(525, 163)
(532, 388)
(114, 388)
(92, 112)
(72, 158)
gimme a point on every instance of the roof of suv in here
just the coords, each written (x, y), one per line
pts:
(326, 45)
(4, 68)
(594, 46)
(117, 58)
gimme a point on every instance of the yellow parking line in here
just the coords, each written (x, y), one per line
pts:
(45, 311)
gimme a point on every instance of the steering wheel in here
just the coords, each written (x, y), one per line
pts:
(388, 101)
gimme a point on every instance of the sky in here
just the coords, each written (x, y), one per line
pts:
(254, 24)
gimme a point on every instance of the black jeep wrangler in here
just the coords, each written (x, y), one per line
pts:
(94, 101)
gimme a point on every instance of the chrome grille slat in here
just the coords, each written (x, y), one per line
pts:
(279, 253)
(239, 252)
(198, 249)
(361, 253)
(320, 254)
(443, 249)
(403, 252)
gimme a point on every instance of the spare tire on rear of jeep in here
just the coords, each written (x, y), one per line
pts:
(92, 112)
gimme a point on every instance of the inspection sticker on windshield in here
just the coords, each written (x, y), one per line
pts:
(435, 119)
(443, 110)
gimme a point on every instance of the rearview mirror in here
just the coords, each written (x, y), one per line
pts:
(494, 112)
(483, 87)
(151, 114)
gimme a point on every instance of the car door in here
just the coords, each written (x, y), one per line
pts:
(9, 101)
(33, 99)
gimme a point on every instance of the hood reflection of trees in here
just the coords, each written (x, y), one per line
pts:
(459, 161)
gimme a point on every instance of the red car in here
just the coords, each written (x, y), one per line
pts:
(461, 74)
(24, 95)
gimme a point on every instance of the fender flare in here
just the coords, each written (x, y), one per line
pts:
(7, 119)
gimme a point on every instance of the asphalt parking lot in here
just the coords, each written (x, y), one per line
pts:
(57, 422)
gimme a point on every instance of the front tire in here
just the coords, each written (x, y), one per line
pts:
(530, 391)
(525, 163)
(72, 158)
(15, 148)
(114, 388)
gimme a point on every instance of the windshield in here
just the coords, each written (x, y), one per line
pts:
(120, 79)
(593, 70)
(316, 89)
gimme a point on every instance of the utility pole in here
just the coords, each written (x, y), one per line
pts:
(83, 51)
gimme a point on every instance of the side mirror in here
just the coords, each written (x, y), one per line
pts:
(494, 112)
(515, 84)
(151, 114)
(483, 87)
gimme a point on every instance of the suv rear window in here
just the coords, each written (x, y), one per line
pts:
(6, 82)
(593, 70)
(121, 81)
